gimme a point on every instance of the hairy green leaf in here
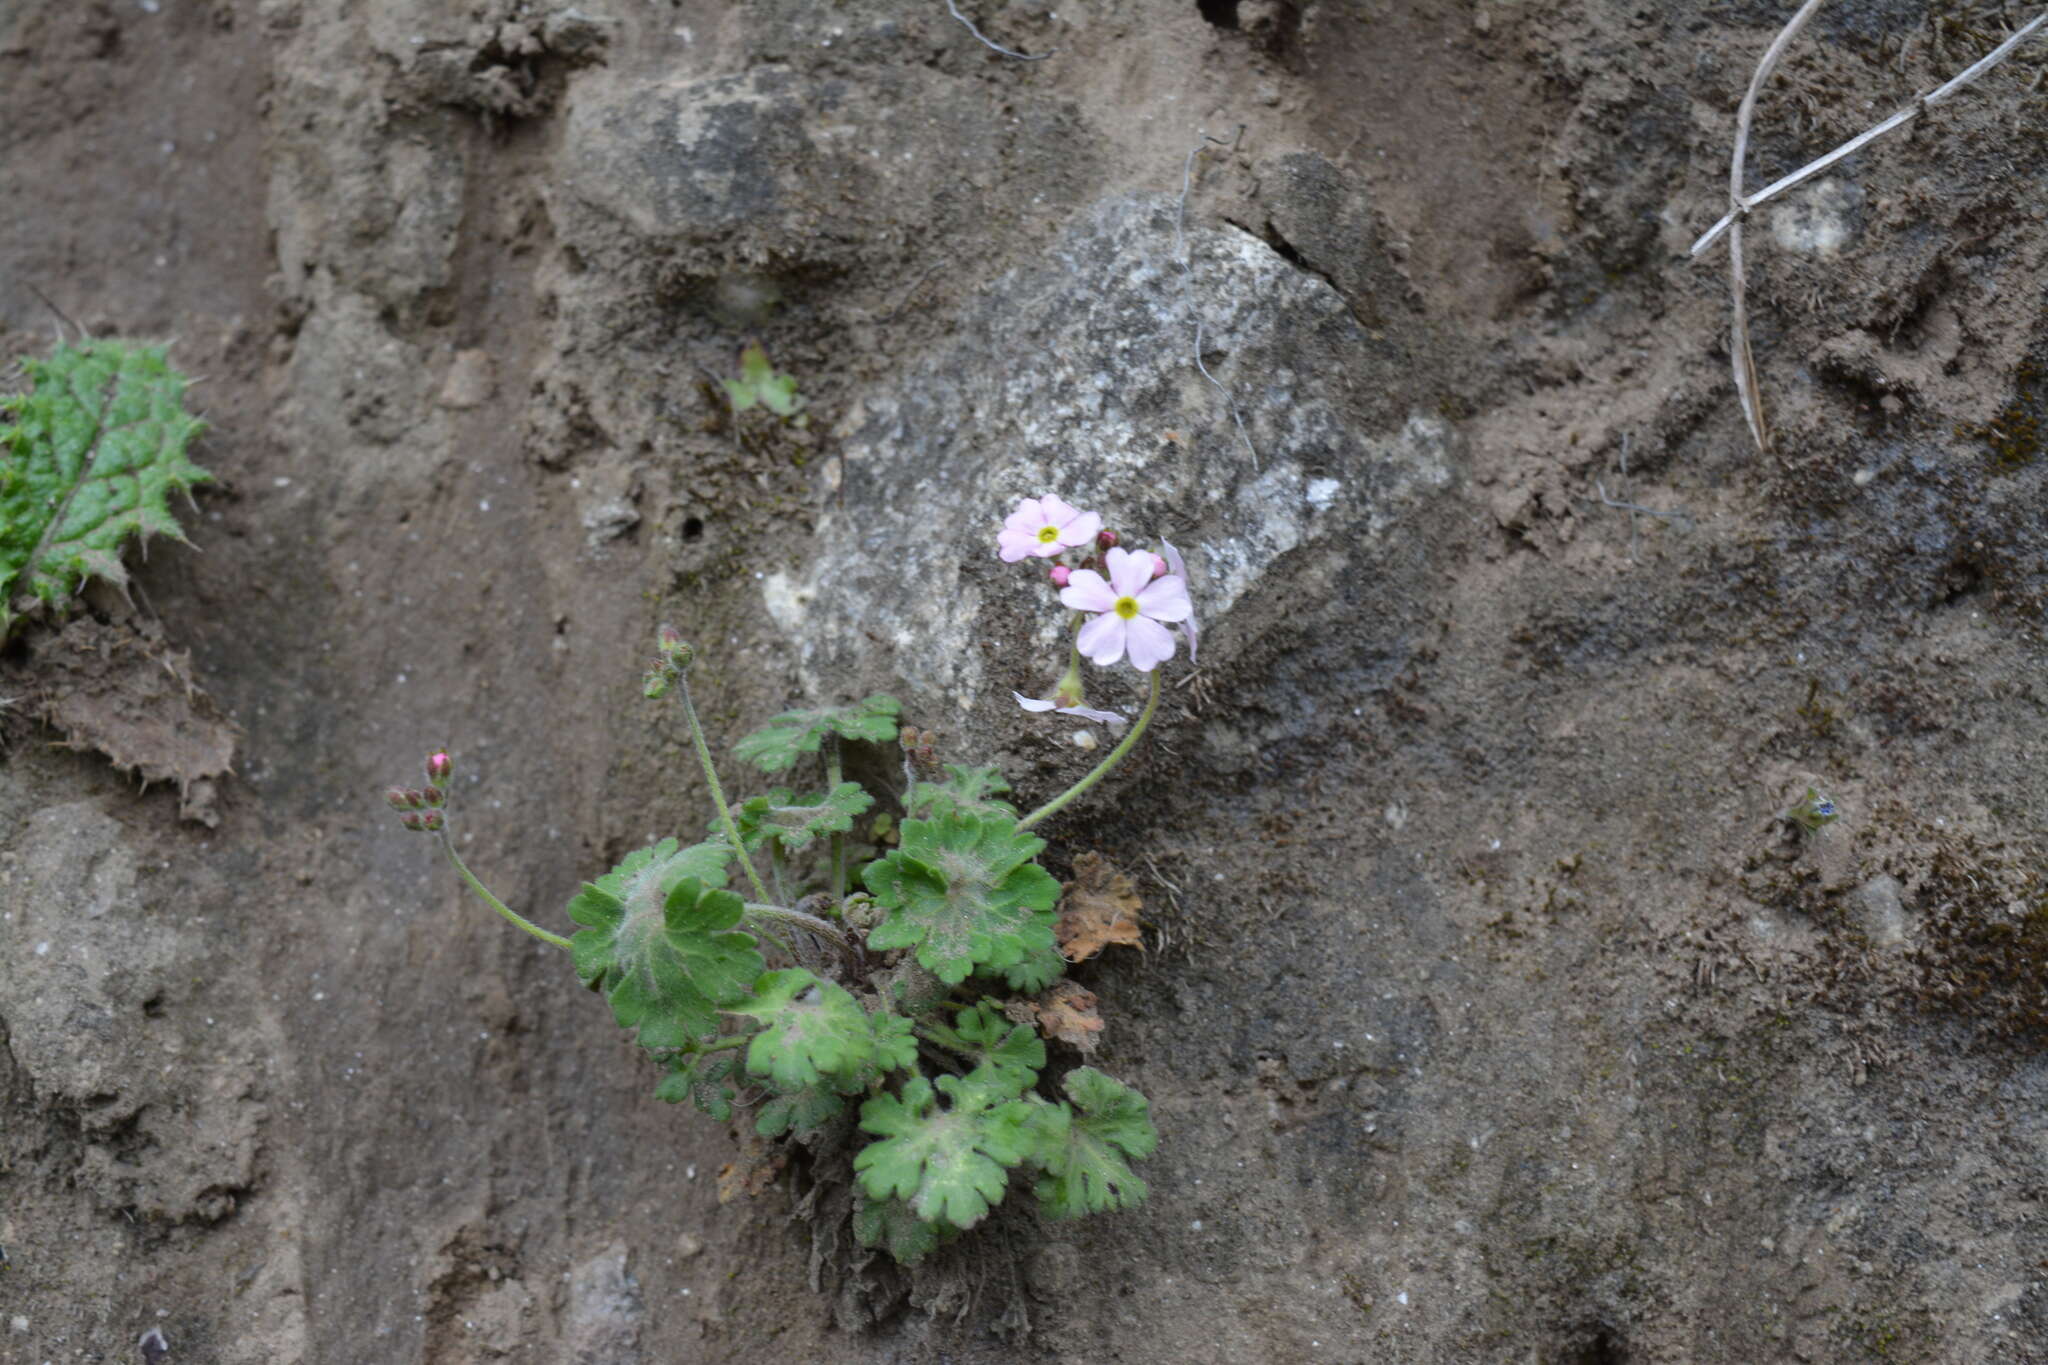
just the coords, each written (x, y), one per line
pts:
(966, 791)
(1010, 1055)
(817, 1033)
(891, 1225)
(1032, 973)
(800, 1111)
(1084, 1153)
(88, 458)
(794, 821)
(777, 745)
(963, 891)
(950, 1164)
(659, 942)
(703, 1080)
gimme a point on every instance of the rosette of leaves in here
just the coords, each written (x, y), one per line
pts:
(964, 892)
(792, 821)
(776, 746)
(1086, 1147)
(949, 1163)
(661, 941)
(89, 457)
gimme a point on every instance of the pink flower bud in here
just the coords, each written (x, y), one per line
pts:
(439, 766)
(399, 798)
(1060, 573)
(431, 821)
(1105, 539)
(434, 798)
(1159, 566)
(413, 820)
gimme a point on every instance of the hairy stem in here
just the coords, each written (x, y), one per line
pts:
(832, 781)
(1101, 769)
(519, 920)
(823, 928)
(732, 833)
(729, 1041)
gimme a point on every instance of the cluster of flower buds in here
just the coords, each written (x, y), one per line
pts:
(675, 657)
(921, 747)
(1128, 597)
(421, 809)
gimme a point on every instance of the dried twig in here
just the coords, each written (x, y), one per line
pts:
(991, 43)
(1940, 95)
(1180, 258)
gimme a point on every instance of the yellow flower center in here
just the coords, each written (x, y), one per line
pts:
(1126, 607)
(1048, 534)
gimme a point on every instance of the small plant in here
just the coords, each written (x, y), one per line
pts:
(762, 385)
(1814, 812)
(883, 989)
(89, 457)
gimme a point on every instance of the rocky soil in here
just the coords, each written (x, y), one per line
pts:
(1490, 1010)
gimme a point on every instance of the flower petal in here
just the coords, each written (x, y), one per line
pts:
(1166, 599)
(1102, 639)
(1128, 572)
(1034, 703)
(1150, 643)
(1090, 713)
(1081, 529)
(1179, 569)
(1028, 516)
(1014, 545)
(1056, 510)
(1086, 591)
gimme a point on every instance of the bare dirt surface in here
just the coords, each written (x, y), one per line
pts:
(1490, 1012)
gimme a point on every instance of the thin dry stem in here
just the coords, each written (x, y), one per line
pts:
(991, 44)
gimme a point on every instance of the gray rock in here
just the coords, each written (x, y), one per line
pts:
(1078, 376)
(605, 1311)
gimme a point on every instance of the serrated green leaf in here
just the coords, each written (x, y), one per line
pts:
(891, 1225)
(794, 821)
(800, 1111)
(817, 1033)
(761, 383)
(659, 942)
(778, 744)
(702, 1079)
(88, 459)
(1032, 973)
(1011, 1055)
(949, 1164)
(966, 791)
(963, 891)
(1084, 1154)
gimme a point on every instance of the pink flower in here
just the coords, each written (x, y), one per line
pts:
(1042, 527)
(1179, 569)
(1074, 709)
(1132, 605)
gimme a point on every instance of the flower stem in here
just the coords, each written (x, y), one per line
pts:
(448, 847)
(1101, 769)
(832, 781)
(730, 1040)
(732, 833)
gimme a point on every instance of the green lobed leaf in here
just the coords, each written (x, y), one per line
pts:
(794, 821)
(778, 744)
(891, 1225)
(949, 1164)
(88, 459)
(966, 791)
(800, 1111)
(760, 383)
(658, 940)
(1007, 1055)
(963, 891)
(1036, 970)
(1084, 1154)
(818, 1034)
(702, 1079)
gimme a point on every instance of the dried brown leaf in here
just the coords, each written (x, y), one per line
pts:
(1067, 1012)
(1101, 907)
(753, 1173)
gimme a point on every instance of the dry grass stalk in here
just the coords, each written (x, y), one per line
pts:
(1741, 356)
